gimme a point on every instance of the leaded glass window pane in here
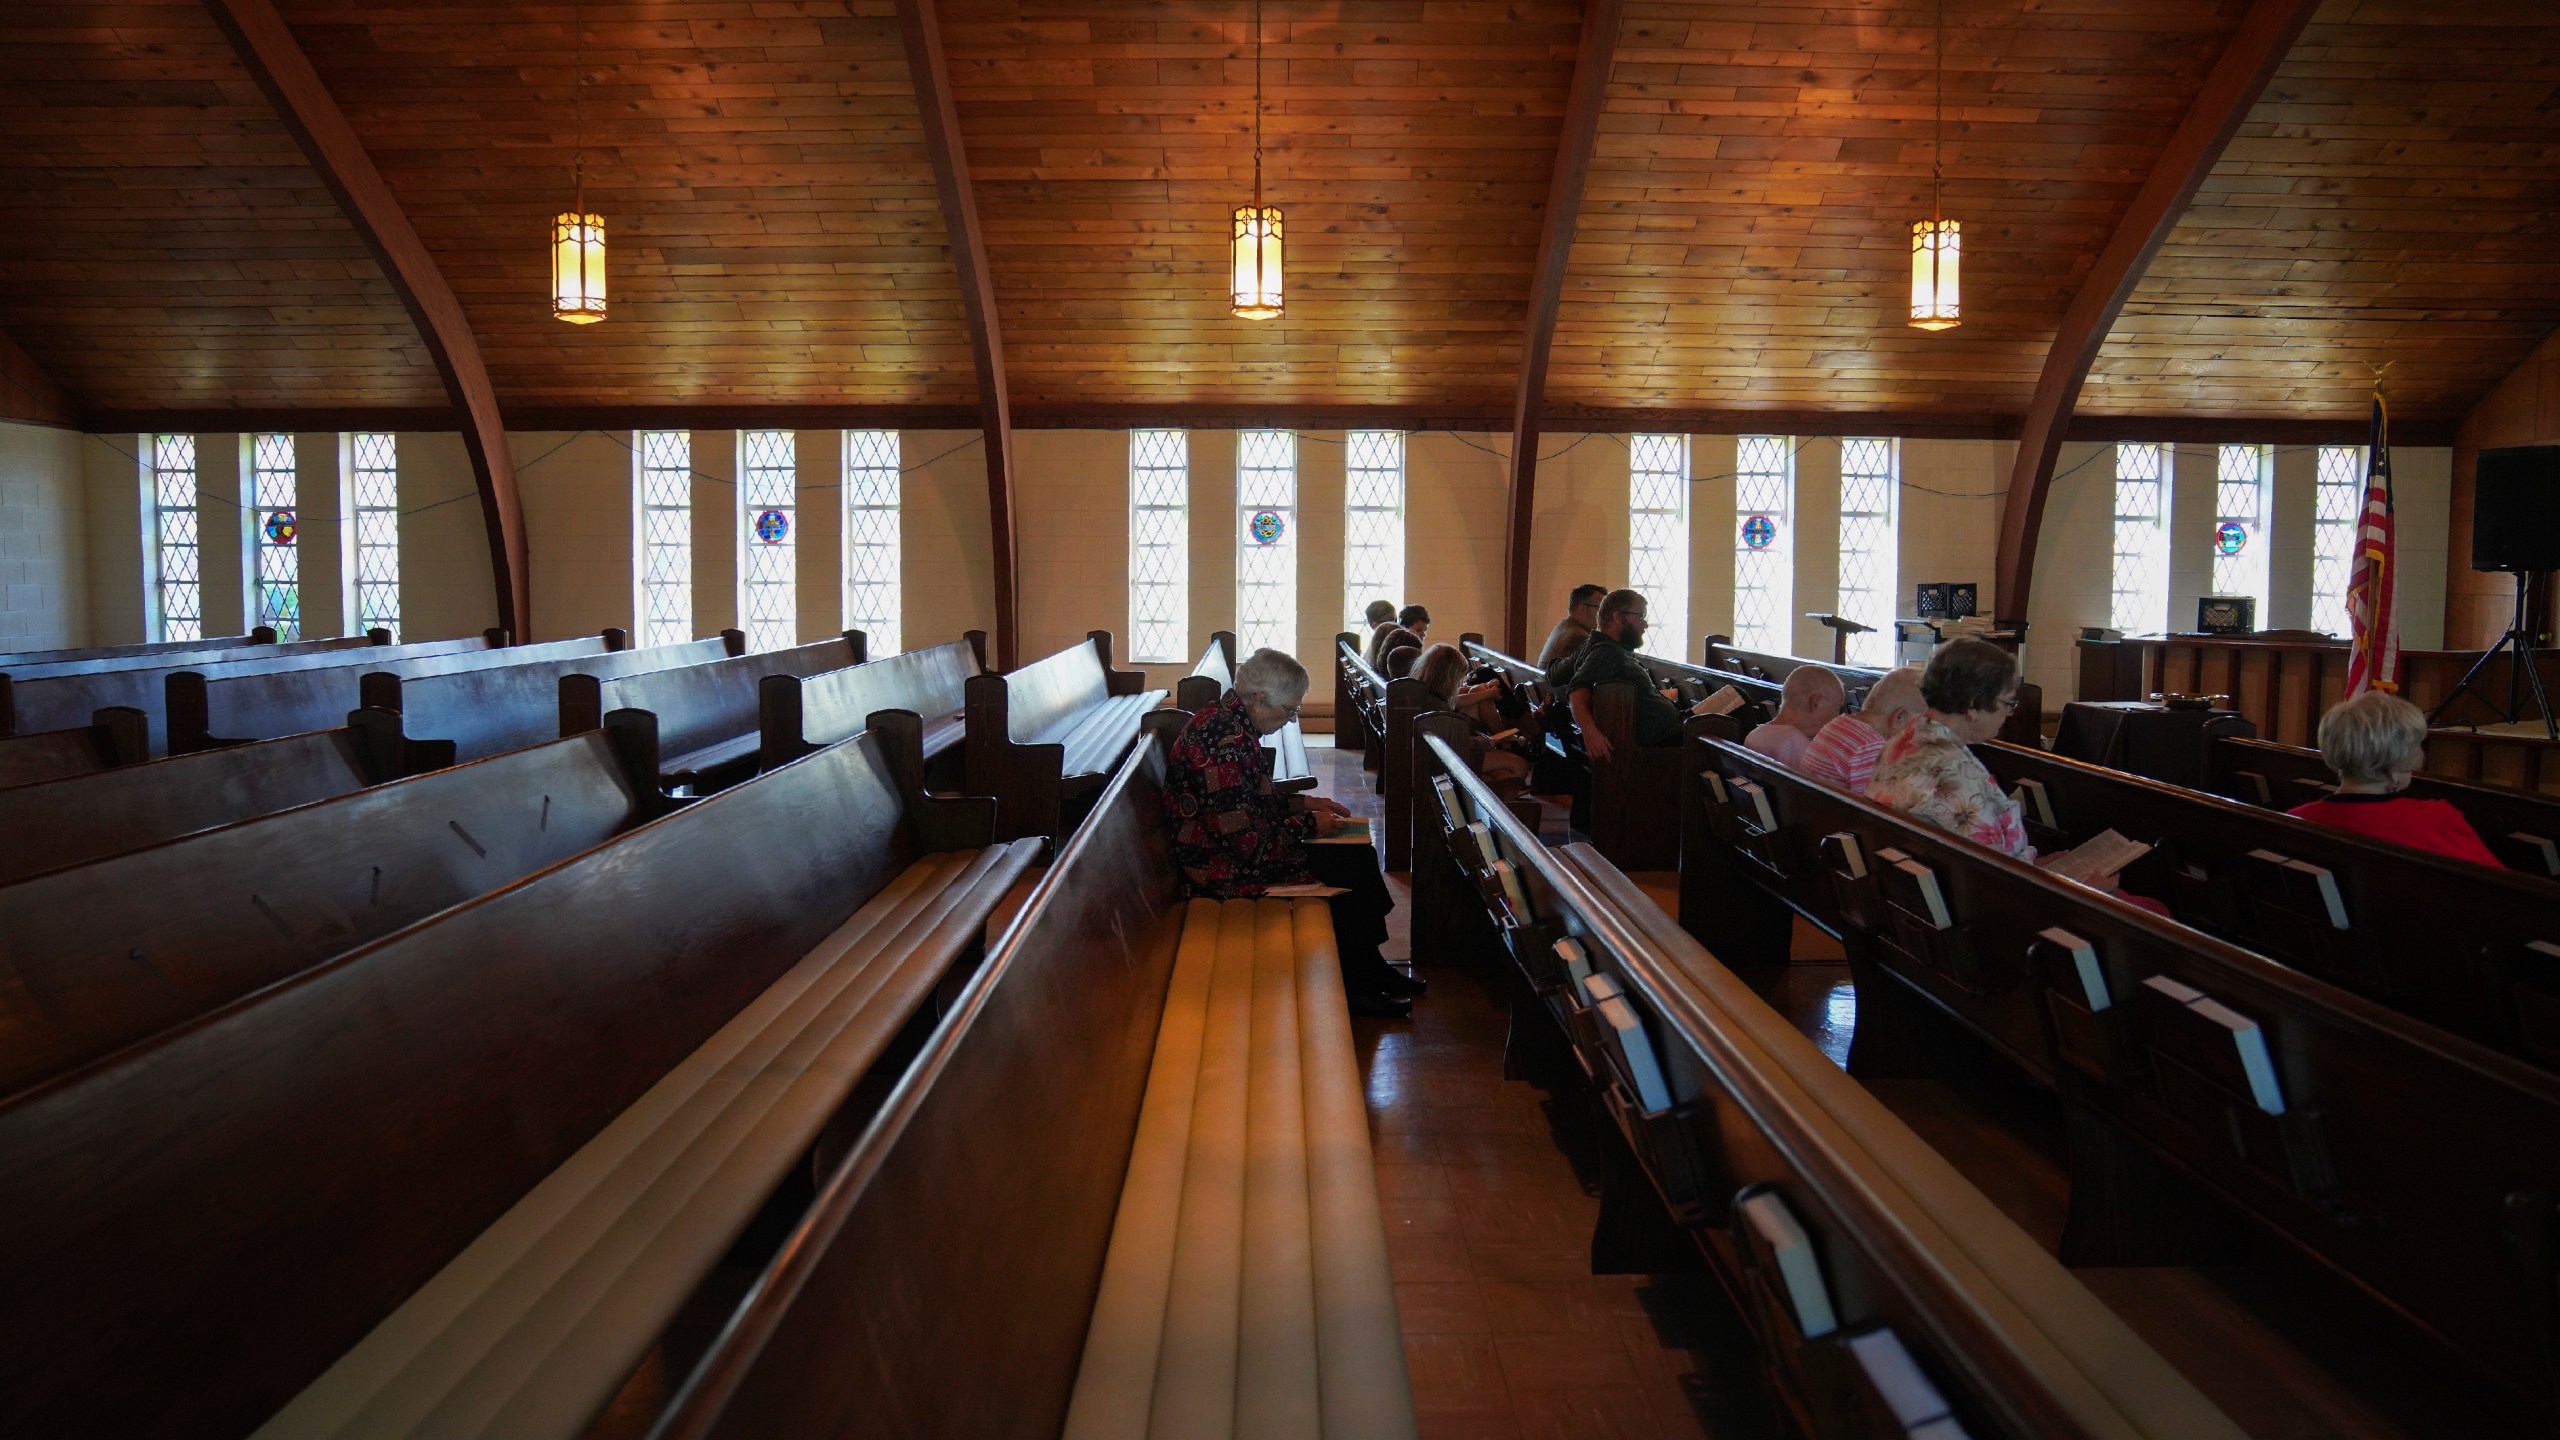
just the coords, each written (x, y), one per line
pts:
(2141, 581)
(1870, 477)
(665, 536)
(769, 537)
(1159, 544)
(2240, 532)
(274, 532)
(2337, 503)
(873, 599)
(1266, 541)
(373, 507)
(1373, 525)
(1764, 502)
(176, 542)
(1658, 537)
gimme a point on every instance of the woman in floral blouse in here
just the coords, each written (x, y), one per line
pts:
(1971, 686)
(1235, 837)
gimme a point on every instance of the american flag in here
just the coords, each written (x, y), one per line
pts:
(2374, 656)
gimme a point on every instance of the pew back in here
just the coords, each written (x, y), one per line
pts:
(263, 635)
(964, 1236)
(47, 665)
(797, 714)
(485, 709)
(229, 1206)
(84, 817)
(214, 707)
(705, 714)
(118, 735)
(2438, 939)
(68, 700)
(2025, 725)
(98, 956)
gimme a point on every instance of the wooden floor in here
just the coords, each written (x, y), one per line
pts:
(1508, 1334)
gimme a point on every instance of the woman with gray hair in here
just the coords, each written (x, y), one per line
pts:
(2373, 742)
(1235, 837)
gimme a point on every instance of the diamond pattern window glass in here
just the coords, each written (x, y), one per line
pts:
(2240, 522)
(664, 563)
(769, 539)
(275, 526)
(1658, 537)
(2141, 588)
(1159, 545)
(1764, 547)
(1870, 477)
(373, 509)
(2337, 503)
(1266, 541)
(872, 598)
(175, 542)
(1373, 524)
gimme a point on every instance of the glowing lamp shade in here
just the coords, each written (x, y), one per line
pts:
(577, 268)
(1937, 248)
(1257, 253)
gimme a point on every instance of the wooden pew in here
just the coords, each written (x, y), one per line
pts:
(217, 706)
(2442, 940)
(263, 635)
(798, 714)
(705, 714)
(2522, 826)
(1625, 803)
(100, 955)
(1359, 705)
(1045, 738)
(1388, 708)
(995, 1220)
(47, 664)
(80, 818)
(399, 1174)
(1739, 1129)
(1285, 749)
(464, 714)
(62, 702)
(116, 735)
(2381, 1147)
(2025, 725)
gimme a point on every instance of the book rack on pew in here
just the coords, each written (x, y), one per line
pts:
(2234, 1096)
(1889, 1297)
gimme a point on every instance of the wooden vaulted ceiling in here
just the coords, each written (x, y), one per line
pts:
(777, 236)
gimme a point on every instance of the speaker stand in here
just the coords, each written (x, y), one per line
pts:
(2524, 678)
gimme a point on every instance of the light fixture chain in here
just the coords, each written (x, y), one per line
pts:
(1938, 123)
(578, 94)
(1257, 104)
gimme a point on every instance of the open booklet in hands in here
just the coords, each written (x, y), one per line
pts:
(2104, 854)
(1725, 701)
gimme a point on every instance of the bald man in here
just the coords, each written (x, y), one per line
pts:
(1844, 752)
(1811, 699)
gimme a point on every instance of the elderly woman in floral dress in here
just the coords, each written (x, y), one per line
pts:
(1235, 837)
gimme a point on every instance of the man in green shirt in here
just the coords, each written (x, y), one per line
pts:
(1610, 655)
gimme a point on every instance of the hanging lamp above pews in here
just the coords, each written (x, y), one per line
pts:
(1936, 243)
(577, 236)
(1256, 291)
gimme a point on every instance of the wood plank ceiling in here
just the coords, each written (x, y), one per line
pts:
(2394, 197)
(776, 236)
(162, 240)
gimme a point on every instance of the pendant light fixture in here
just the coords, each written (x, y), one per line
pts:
(577, 237)
(1256, 292)
(1937, 243)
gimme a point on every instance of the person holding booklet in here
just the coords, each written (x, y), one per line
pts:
(1237, 838)
(1444, 671)
(1928, 772)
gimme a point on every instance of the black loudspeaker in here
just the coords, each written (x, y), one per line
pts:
(2515, 510)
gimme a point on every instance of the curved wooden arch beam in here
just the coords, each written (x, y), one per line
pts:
(921, 28)
(2266, 33)
(1600, 26)
(266, 47)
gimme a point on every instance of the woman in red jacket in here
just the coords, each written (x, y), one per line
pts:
(2374, 743)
